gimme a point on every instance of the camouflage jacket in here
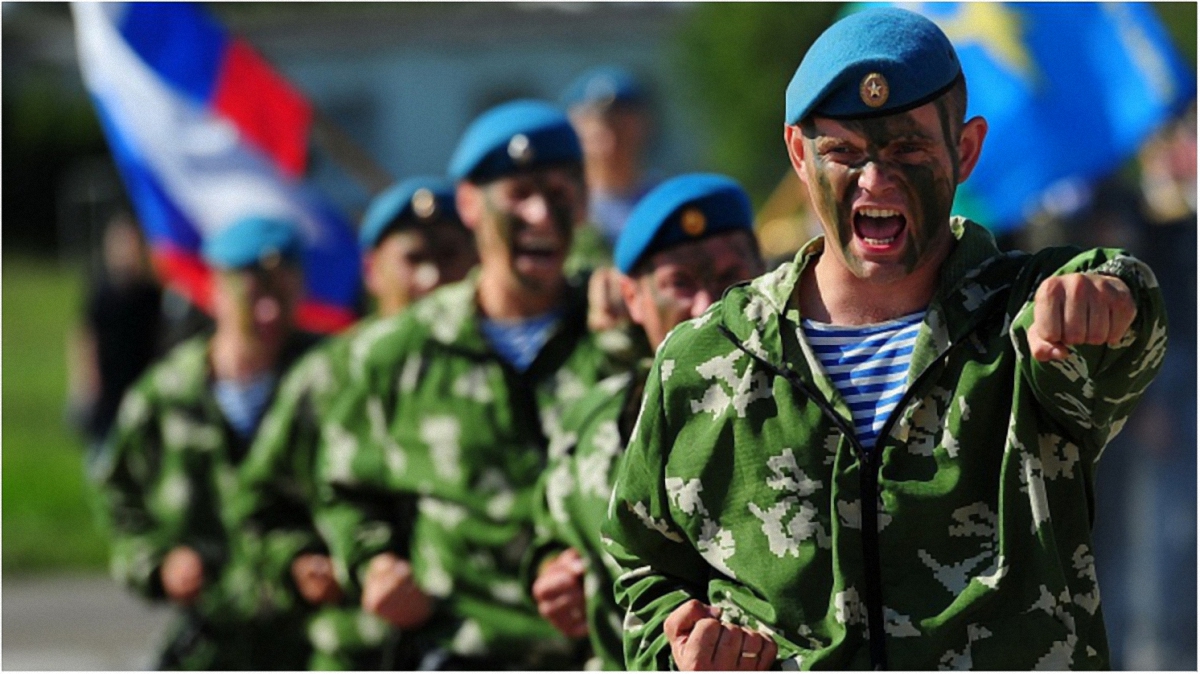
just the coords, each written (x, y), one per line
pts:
(437, 416)
(167, 478)
(274, 507)
(573, 500)
(743, 485)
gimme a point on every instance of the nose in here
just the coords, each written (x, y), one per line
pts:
(874, 179)
(701, 301)
(426, 277)
(535, 210)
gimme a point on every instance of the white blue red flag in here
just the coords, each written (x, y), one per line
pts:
(205, 132)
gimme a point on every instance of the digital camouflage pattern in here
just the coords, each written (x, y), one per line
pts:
(739, 489)
(167, 478)
(573, 497)
(274, 508)
(437, 416)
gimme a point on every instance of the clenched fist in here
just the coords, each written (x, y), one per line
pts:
(182, 574)
(313, 575)
(700, 641)
(558, 592)
(1079, 309)
(391, 592)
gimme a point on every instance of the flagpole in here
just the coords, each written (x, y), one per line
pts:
(327, 135)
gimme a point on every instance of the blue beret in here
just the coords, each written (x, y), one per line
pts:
(513, 137)
(876, 62)
(689, 207)
(409, 202)
(252, 241)
(602, 87)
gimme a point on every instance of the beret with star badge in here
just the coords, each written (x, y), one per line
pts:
(253, 241)
(406, 203)
(513, 137)
(875, 62)
(690, 207)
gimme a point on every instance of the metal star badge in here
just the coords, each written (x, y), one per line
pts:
(874, 90)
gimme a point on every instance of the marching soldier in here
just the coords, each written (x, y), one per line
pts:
(453, 404)
(882, 453)
(412, 242)
(686, 242)
(169, 472)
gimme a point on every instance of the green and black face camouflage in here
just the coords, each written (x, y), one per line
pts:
(928, 188)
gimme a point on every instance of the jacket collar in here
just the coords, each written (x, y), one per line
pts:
(452, 316)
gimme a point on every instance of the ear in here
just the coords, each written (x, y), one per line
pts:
(468, 198)
(970, 146)
(629, 294)
(368, 273)
(793, 138)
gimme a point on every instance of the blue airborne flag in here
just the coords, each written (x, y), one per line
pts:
(1069, 91)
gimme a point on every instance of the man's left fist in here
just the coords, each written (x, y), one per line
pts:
(1079, 309)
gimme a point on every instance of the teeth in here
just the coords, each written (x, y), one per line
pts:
(879, 212)
(879, 242)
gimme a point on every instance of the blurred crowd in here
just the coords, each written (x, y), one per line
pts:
(515, 305)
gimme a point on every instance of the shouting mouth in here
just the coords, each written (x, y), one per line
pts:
(879, 229)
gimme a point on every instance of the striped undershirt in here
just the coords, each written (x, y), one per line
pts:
(869, 366)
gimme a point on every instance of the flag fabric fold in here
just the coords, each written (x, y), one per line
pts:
(204, 132)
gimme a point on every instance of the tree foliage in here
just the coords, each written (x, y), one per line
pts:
(739, 58)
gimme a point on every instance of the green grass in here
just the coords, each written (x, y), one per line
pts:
(47, 521)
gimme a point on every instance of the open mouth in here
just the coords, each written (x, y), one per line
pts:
(538, 250)
(878, 227)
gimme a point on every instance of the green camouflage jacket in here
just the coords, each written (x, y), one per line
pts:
(167, 478)
(437, 416)
(743, 484)
(274, 507)
(573, 500)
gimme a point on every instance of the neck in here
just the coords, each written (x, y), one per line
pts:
(503, 297)
(389, 306)
(831, 293)
(240, 357)
(618, 174)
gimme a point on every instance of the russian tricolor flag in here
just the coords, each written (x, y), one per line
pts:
(205, 132)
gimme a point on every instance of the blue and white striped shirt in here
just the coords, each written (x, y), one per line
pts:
(869, 366)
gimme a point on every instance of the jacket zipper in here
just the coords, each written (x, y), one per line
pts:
(868, 486)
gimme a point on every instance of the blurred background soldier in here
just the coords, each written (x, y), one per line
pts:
(454, 403)
(121, 331)
(686, 242)
(170, 467)
(609, 110)
(412, 241)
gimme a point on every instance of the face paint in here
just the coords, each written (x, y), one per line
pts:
(505, 213)
(926, 181)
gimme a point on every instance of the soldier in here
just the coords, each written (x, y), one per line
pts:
(412, 242)
(453, 404)
(882, 453)
(686, 242)
(169, 470)
(609, 110)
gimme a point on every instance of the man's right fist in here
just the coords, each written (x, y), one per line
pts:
(182, 575)
(313, 575)
(390, 592)
(558, 592)
(700, 641)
